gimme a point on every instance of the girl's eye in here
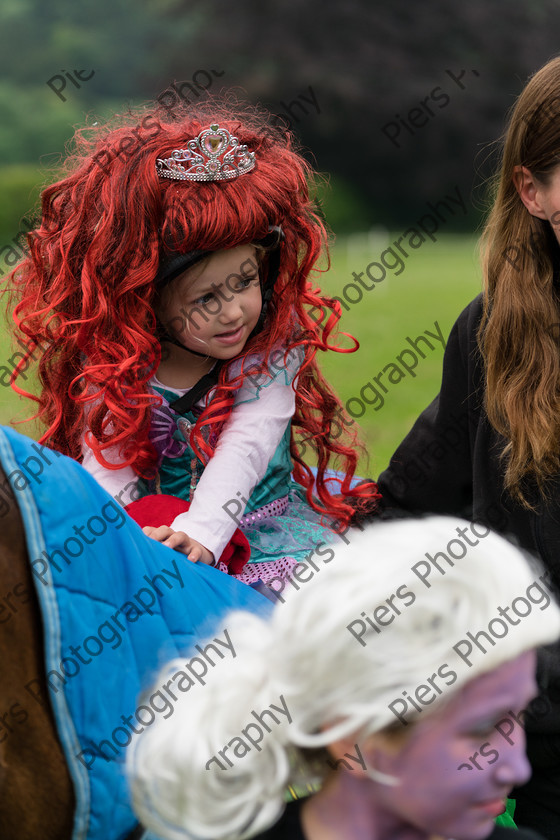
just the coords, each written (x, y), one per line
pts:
(204, 299)
(245, 282)
(485, 727)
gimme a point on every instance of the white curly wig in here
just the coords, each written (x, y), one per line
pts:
(333, 685)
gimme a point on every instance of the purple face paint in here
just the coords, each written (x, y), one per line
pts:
(441, 790)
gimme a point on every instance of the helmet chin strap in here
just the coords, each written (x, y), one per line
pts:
(185, 403)
(181, 262)
(164, 336)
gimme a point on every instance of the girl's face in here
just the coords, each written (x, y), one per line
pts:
(213, 307)
(454, 768)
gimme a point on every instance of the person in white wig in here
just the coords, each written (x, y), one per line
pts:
(394, 675)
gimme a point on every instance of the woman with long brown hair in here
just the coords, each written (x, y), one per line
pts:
(488, 447)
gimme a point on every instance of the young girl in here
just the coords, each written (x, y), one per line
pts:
(407, 736)
(170, 280)
(488, 447)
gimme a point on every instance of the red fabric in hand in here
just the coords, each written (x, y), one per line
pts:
(161, 509)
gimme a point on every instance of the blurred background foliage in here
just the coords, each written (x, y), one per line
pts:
(399, 104)
(367, 63)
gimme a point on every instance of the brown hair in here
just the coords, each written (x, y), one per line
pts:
(518, 334)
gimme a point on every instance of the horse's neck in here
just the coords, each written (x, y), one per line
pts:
(36, 796)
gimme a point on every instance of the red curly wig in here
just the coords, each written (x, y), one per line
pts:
(86, 291)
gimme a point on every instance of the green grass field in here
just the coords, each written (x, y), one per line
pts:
(437, 281)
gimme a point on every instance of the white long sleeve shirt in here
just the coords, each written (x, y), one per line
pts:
(253, 431)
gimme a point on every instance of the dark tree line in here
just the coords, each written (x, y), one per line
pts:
(399, 101)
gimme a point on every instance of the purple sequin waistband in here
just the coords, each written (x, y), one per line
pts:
(269, 511)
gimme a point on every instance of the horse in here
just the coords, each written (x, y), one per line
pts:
(58, 779)
(37, 797)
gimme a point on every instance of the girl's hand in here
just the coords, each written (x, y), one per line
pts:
(180, 541)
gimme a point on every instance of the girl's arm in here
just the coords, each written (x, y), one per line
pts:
(259, 418)
(122, 485)
(263, 408)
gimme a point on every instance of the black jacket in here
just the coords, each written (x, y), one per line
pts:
(450, 463)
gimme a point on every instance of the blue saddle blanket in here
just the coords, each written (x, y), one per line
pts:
(115, 606)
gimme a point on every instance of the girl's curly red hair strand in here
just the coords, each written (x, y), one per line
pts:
(85, 293)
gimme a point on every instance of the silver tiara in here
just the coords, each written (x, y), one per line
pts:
(212, 156)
